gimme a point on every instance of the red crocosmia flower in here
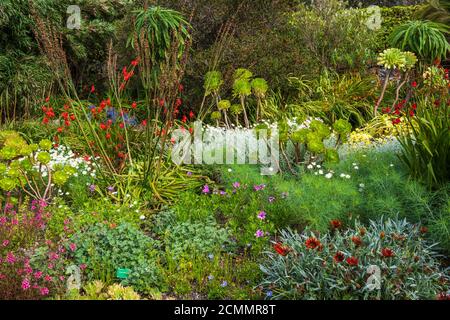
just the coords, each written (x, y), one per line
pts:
(103, 126)
(110, 122)
(144, 123)
(281, 249)
(191, 130)
(336, 224)
(191, 115)
(161, 102)
(397, 112)
(396, 121)
(45, 120)
(386, 110)
(178, 103)
(92, 89)
(184, 119)
(180, 87)
(414, 106)
(134, 105)
(339, 257)
(356, 240)
(352, 261)
(72, 117)
(108, 102)
(121, 125)
(121, 155)
(414, 84)
(67, 123)
(312, 243)
(108, 136)
(134, 63)
(412, 113)
(47, 99)
(387, 253)
(124, 71)
(60, 129)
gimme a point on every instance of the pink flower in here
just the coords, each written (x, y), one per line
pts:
(73, 246)
(10, 258)
(5, 243)
(83, 266)
(262, 215)
(44, 291)
(236, 185)
(205, 189)
(25, 284)
(38, 274)
(259, 234)
(48, 278)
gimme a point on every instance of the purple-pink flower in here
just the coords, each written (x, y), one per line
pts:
(262, 215)
(44, 291)
(205, 189)
(236, 185)
(25, 284)
(259, 187)
(259, 234)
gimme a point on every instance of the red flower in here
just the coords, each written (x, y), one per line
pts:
(412, 113)
(191, 115)
(72, 117)
(184, 119)
(67, 123)
(312, 243)
(352, 261)
(281, 249)
(339, 257)
(356, 240)
(423, 230)
(135, 62)
(47, 99)
(45, 120)
(414, 84)
(396, 121)
(443, 296)
(387, 253)
(414, 106)
(178, 103)
(134, 105)
(92, 89)
(161, 102)
(121, 125)
(144, 123)
(60, 129)
(108, 136)
(103, 126)
(336, 224)
(180, 87)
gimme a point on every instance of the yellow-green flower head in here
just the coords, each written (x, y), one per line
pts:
(242, 74)
(260, 87)
(236, 109)
(45, 144)
(213, 82)
(411, 60)
(44, 157)
(392, 58)
(300, 136)
(224, 105)
(242, 87)
(216, 115)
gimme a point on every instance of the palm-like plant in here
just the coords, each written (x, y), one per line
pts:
(242, 88)
(259, 87)
(425, 38)
(155, 31)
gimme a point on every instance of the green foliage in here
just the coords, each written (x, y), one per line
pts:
(191, 237)
(96, 290)
(424, 38)
(213, 82)
(426, 151)
(338, 267)
(392, 18)
(437, 11)
(104, 249)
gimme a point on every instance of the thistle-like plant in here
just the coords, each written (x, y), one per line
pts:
(259, 87)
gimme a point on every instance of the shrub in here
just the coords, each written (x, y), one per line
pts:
(106, 248)
(349, 264)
